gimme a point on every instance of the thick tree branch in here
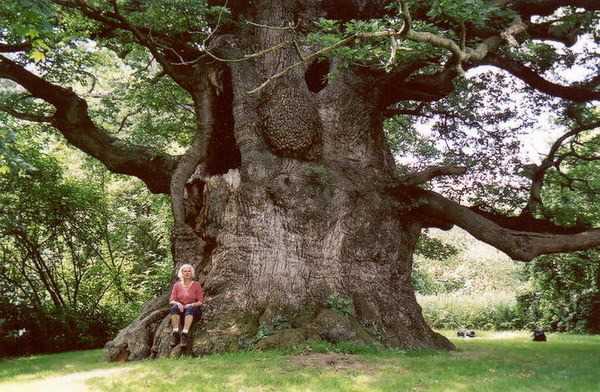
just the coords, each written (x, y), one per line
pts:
(534, 203)
(432, 172)
(431, 87)
(528, 223)
(436, 86)
(516, 242)
(423, 88)
(532, 78)
(197, 153)
(176, 44)
(553, 31)
(72, 120)
(345, 10)
(11, 48)
(190, 69)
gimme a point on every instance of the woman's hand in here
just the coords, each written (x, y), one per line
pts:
(180, 306)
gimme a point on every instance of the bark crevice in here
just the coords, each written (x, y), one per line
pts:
(223, 152)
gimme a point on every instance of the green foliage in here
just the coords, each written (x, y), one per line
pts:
(176, 16)
(423, 278)
(435, 249)
(467, 284)
(477, 12)
(369, 51)
(263, 331)
(570, 196)
(492, 310)
(477, 126)
(540, 55)
(33, 24)
(403, 138)
(560, 292)
(455, 263)
(565, 292)
(77, 260)
(10, 159)
(341, 304)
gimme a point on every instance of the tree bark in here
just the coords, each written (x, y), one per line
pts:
(300, 239)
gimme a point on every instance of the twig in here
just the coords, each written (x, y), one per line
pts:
(298, 51)
(204, 43)
(288, 27)
(245, 58)
(309, 57)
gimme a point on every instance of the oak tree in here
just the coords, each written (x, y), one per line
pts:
(304, 185)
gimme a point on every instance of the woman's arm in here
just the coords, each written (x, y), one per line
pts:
(173, 298)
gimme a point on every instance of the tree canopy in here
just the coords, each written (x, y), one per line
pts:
(122, 81)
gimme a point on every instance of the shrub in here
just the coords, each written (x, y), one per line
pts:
(489, 311)
(340, 304)
(26, 330)
(565, 293)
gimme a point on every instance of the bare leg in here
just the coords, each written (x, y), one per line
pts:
(175, 321)
(187, 322)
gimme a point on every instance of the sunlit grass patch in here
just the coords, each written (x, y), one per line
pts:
(38, 366)
(507, 361)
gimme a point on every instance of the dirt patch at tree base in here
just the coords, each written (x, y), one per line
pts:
(333, 361)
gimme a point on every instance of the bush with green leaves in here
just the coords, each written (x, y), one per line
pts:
(565, 293)
(341, 304)
(488, 311)
(75, 264)
(462, 283)
(564, 290)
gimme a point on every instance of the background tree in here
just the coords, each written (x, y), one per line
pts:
(565, 293)
(287, 197)
(75, 263)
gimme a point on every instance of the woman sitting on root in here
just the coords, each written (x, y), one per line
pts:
(186, 297)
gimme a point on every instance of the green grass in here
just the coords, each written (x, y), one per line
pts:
(34, 367)
(493, 362)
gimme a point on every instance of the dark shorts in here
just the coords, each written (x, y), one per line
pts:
(191, 311)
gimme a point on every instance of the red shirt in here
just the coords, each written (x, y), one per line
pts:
(192, 294)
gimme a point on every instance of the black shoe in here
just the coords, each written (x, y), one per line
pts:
(184, 339)
(174, 339)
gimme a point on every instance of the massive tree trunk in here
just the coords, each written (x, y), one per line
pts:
(294, 228)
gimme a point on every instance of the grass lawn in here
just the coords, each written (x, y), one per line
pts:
(493, 362)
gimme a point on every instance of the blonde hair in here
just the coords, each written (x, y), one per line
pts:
(179, 272)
